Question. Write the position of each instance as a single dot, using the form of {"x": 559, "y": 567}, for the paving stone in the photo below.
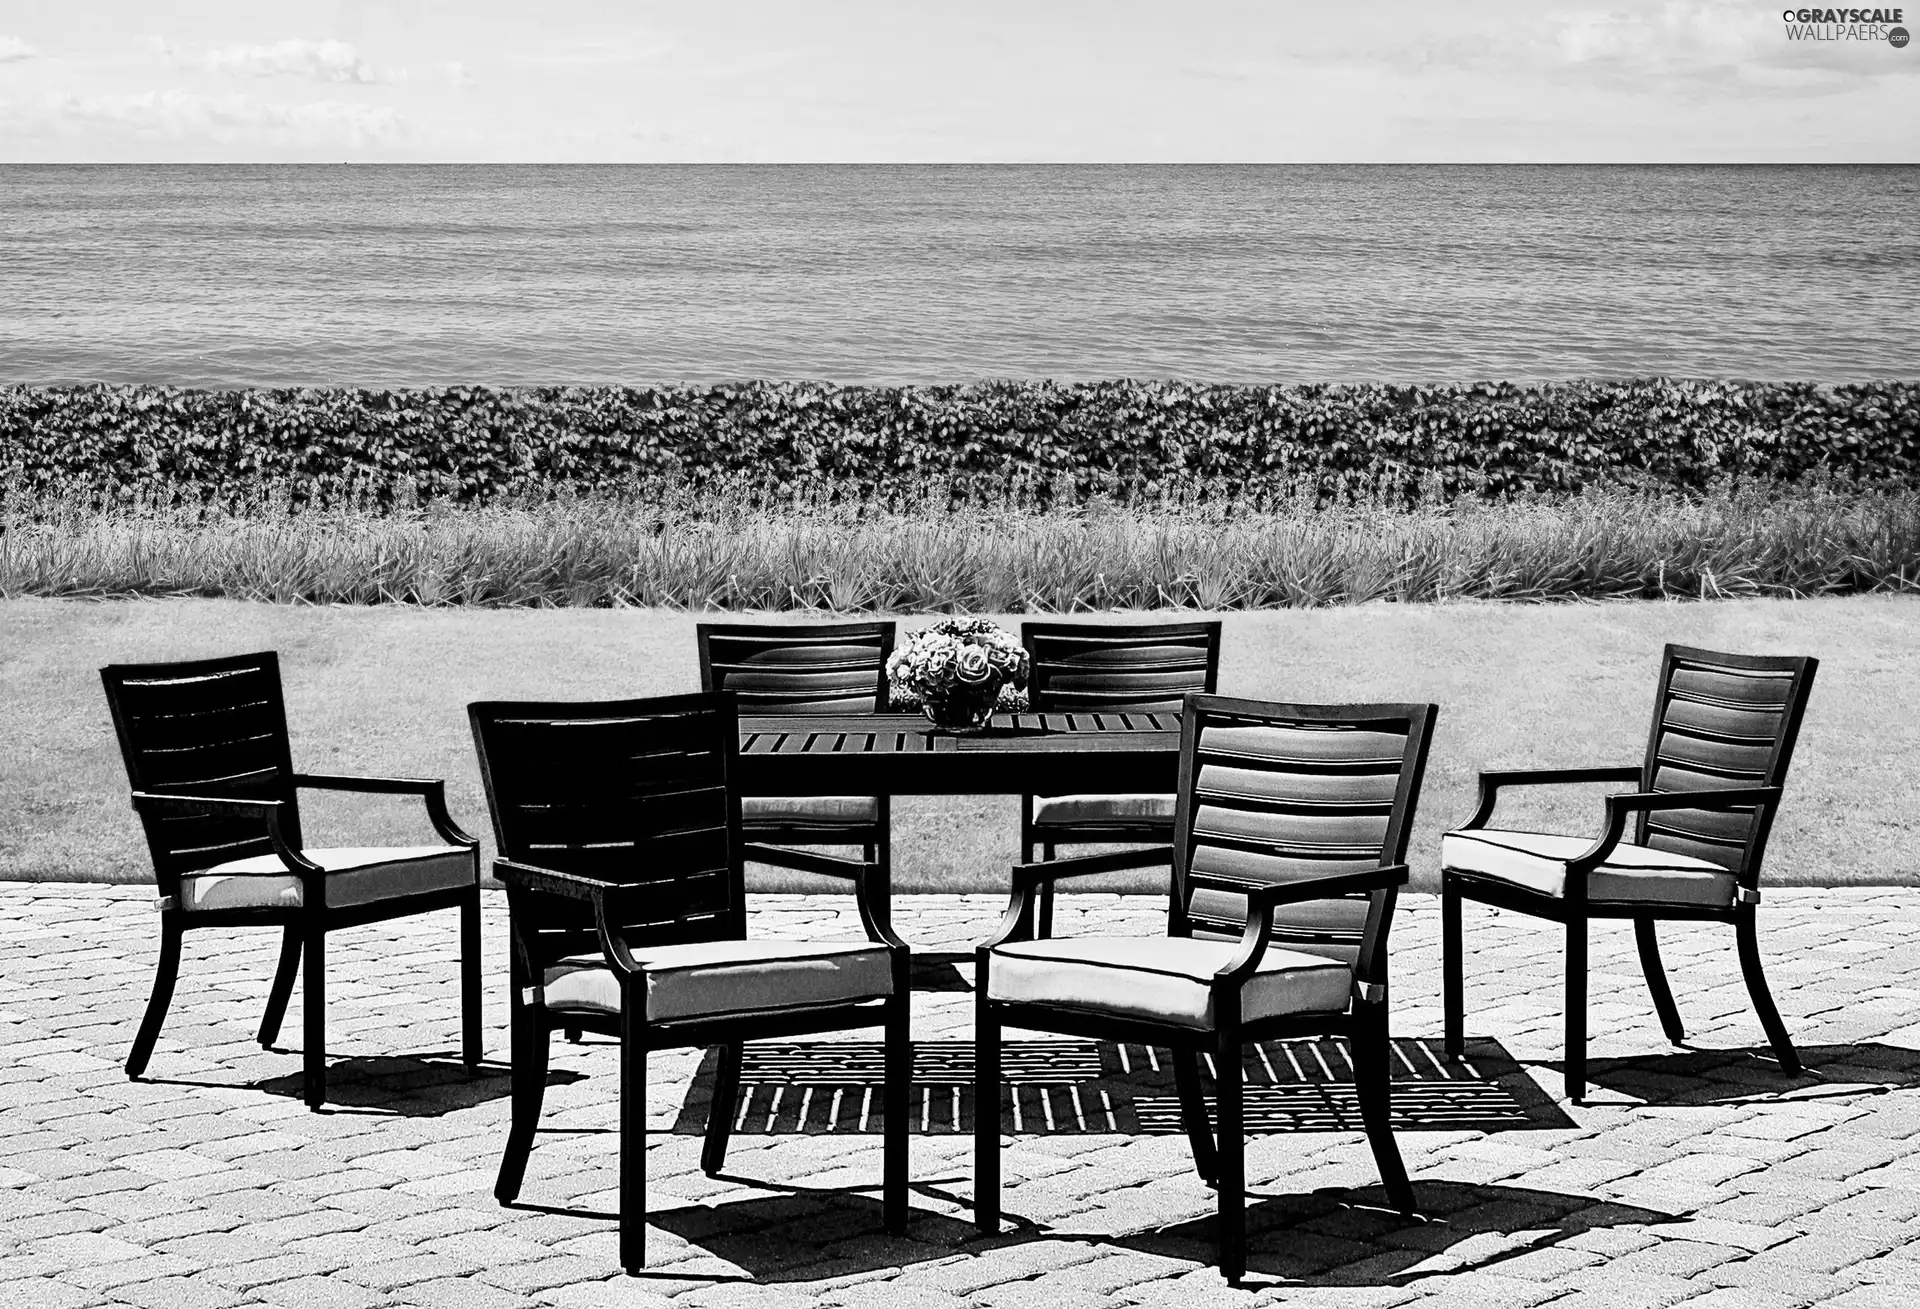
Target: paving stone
{"x": 278, "y": 1268}
{"x": 460, "y": 1293}
{"x": 319, "y": 1293}
{"x": 1746, "y": 1297}
{"x": 181, "y": 1293}
{"x": 47, "y": 1293}
{"x": 1871, "y": 1297}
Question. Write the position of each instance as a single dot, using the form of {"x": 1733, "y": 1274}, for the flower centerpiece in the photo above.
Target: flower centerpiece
{"x": 958, "y": 672}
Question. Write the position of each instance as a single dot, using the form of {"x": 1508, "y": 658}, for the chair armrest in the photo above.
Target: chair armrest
{"x": 876, "y": 918}
{"x": 806, "y": 861}
{"x": 1495, "y": 780}
{"x": 1627, "y": 803}
{"x": 1262, "y": 899}
{"x": 267, "y": 811}
{"x": 433, "y": 790}
{"x": 1273, "y": 894}
{"x": 549, "y": 881}
{"x": 1017, "y": 923}
{"x": 516, "y": 876}
{"x": 1032, "y": 876}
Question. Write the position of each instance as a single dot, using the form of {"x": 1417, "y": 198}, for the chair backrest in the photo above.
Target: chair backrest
{"x": 1119, "y": 666}
{"x": 1721, "y": 721}
{"x": 205, "y": 727}
{"x": 631, "y": 792}
{"x": 820, "y": 668}
{"x": 1273, "y": 793}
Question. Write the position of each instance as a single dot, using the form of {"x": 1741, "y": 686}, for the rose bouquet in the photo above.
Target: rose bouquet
{"x": 958, "y": 672}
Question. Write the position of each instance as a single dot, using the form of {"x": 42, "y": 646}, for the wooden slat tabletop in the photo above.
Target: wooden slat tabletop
{"x": 898, "y": 754}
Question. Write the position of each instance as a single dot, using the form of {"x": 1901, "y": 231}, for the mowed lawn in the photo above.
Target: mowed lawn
{"x": 384, "y": 689}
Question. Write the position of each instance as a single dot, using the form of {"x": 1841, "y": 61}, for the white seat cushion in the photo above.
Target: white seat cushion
{"x": 809, "y": 810}
{"x": 1164, "y": 978}
{"x": 706, "y": 979}
{"x": 1632, "y": 874}
{"x": 355, "y": 875}
{"x": 1091, "y": 810}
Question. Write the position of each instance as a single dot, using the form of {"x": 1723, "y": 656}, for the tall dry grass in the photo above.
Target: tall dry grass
{"x": 714, "y": 550}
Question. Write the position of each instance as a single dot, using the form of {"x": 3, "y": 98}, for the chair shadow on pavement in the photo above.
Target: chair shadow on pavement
{"x": 1688, "y": 1076}
{"x": 1335, "y": 1237}
{"x": 787, "y": 1233}
{"x": 1330, "y": 1237}
{"x": 409, "y": 1086}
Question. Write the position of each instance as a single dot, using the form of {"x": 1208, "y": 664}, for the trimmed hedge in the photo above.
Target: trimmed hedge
{"x": 1127, "y": 439}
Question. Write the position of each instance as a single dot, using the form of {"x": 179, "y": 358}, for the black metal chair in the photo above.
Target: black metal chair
{"x": 1109, "y": 669}
{"x": 621, "y": 851}
{"x": 824, "y": 668}
{"x": 1290, "y": 827}
{"x": 206, "y": 749}
{"x": 1705, "y": 795}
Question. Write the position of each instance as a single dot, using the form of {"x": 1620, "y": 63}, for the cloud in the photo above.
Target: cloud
{"x": 318, "y": 61}
{"x": 457, "y": 74}
{"x": 638, "y": 46}
{"x": 13, "y": 50}
{"x": 1684, "y": 33}
{"x": 183, "y": 115}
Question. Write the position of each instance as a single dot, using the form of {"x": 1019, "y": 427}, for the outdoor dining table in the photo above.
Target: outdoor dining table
{"x": 900, "y": 754}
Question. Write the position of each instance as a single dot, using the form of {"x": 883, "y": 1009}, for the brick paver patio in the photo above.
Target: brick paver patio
{"x": 1698, "y": 1176}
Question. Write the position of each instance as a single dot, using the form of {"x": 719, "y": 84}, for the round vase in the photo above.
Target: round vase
{"x": 966, "y": 716}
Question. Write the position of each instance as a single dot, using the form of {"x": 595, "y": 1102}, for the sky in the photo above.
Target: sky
{"x": 952, "y": 81}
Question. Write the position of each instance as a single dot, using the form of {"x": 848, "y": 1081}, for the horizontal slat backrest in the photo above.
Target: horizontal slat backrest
{"x": 632, "y": 793}
{"x": 208, "y": 727}
{"x": 1278, "y": 793}
{"x": 1721, "y": 721}
{"x": 834, "y": 668}
{"x": 1145, "y": 666}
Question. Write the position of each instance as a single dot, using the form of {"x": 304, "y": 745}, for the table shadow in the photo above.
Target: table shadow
{"x": 1074, "y": 1087}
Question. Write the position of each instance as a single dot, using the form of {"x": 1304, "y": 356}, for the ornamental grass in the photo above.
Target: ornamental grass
{"x": 711, "y": 549}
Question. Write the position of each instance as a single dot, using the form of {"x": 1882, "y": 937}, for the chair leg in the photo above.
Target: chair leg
{"x": 1193, "y": 1115}
{"x": 1043, "y": 917}
{"x": 165, "y": 972}
{"x": 1744, "y": 932}
{"x": 986, "y": 1114}
{"x": 1576, "y": 1055}
{"x": 633, "y": 1144}
{"x": 880, "y": 884}
{"x": 573, "y": 1034}
{"x": 470, "y": 1014}
{"x": 314, "y": 1019}
{"x": 1643, "y": 934}
{"x": 1452, "y": 970}
{"x": 726, "y": 1099}
{"x": 530, "y": 1041}
{"x": 282, "y": 990}
{"x": 1232, "y": 1195}
{"x": 895, "y": 1142}
{"x": 1373, "y": 1087}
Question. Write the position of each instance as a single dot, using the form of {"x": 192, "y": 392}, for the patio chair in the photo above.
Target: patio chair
{"x": 824, "y": 668}
{"x": 1288, "y": 834}
{"x": 206, "y": 749}
{"x": 621, "y": 851}
{"x": 1109, "y": 668}
{"x": 1685, "y": 844}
